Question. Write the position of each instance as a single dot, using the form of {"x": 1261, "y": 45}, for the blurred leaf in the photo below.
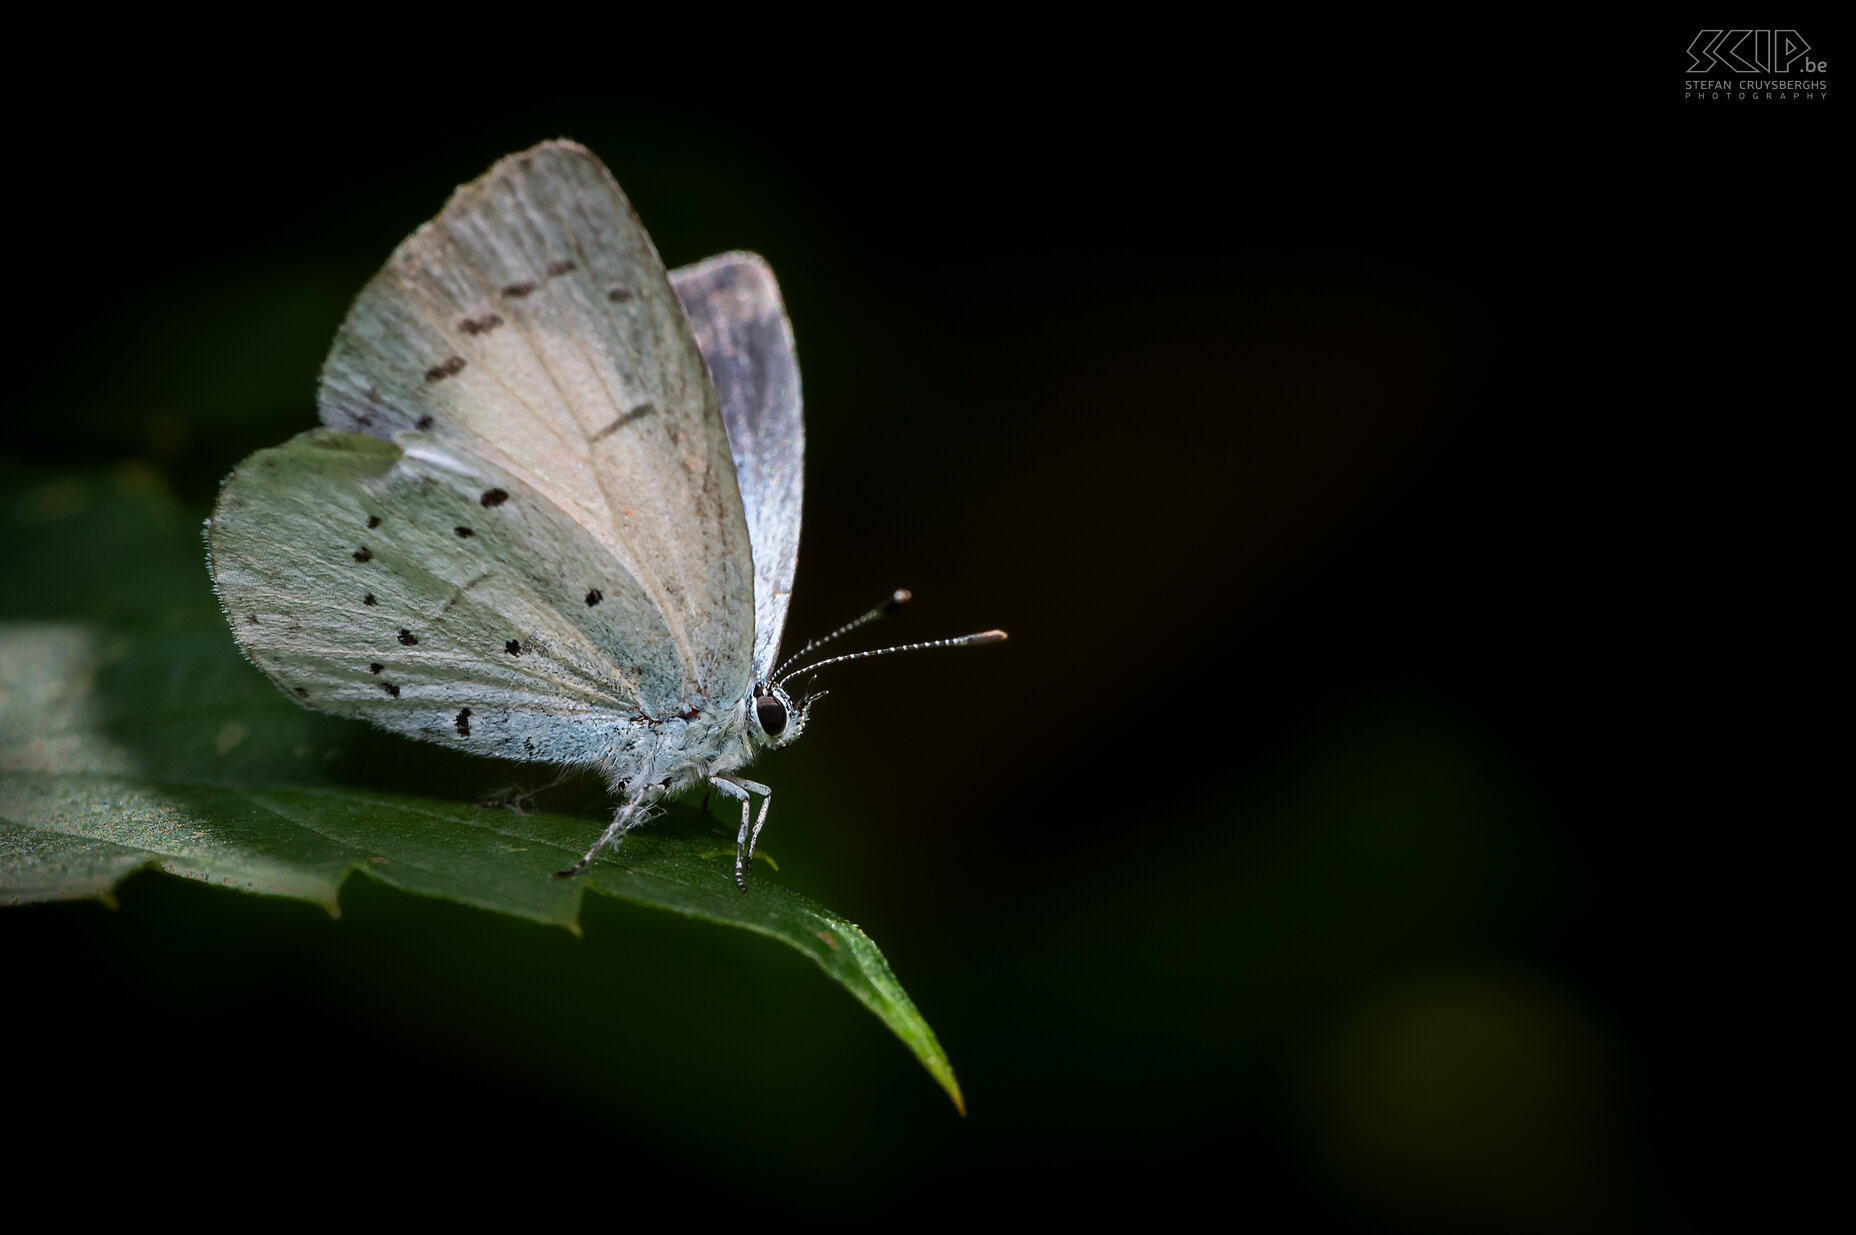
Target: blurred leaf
{"x": 133, "y": 736}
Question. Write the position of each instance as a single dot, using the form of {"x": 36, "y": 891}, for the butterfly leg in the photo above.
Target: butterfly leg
{"x": 615, "y": 831}
{"x": 766, "y": 800}
{"x": 516, "y": 801}
{"x": 742, "y": 849}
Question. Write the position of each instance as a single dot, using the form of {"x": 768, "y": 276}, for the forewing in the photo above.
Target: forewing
{"x": 435, "y": 596}
{"x": 734, "y": 306}
{"x": 531, "y": 326}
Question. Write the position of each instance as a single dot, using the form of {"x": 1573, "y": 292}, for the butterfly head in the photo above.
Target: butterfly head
{"x": 775, "y": 718}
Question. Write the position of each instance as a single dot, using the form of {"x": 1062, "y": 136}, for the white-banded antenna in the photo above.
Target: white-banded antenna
{"x": 897, "y": 599}
{"x": 984, "y": 636}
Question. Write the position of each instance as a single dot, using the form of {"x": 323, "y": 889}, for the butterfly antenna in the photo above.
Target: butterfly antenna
{"x": 964, "y": 641}
{"x": 897, "y": 599}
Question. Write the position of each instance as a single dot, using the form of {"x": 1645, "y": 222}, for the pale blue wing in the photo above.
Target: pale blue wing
{"x": 439, "y": 597}
{"x": 734, "y": 306}
{"x": 531, "y": 328}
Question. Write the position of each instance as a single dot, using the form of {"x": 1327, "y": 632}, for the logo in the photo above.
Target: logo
{"x": 1734, "y": 59}
{"x": 1750, "y": 51}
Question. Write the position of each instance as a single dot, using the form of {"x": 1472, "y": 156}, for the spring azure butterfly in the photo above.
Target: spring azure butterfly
{"x": 553, "y": 514}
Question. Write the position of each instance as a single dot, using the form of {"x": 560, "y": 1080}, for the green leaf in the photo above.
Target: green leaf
{"x": 133, "y": 736}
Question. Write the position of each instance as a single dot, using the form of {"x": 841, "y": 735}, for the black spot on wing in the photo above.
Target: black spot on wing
{"x": 301, "y": 693}
{"x": 557, "y": 269}
{"x": 513, "y": 647}
{"x": 363, "y": 554}
{"x": 450, "y": 366}
{"x": 464, "y": 533}
{"x": 593, "y": 597}
{"x": 619, "y": 295}
{"x": 373, "y": 521}
{"x": 464, "y": 723}
{"x": 376, "y": 667}
{"x": 369, "y": 599}
{"x": 252, "y": 618}
{"x": 493, "y": 497}
{"x": 515, "y": 291}
{"x": 391, "y": 689}
{"x": 480, "y": 325}
{"x": 424, "y": 422}
{"x": 407, "y": 637}
{"x": 620, "y": 421}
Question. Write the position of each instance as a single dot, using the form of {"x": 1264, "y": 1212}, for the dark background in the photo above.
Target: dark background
{"x": 1400, "y": 489}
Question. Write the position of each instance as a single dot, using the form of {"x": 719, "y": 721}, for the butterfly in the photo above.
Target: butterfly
{"x": 553, "y": 513}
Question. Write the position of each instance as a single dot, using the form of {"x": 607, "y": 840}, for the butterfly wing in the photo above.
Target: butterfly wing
{"x": 734, "y": 306}
{"x": 530, "y": 332}
{"x": 437, "y": 597}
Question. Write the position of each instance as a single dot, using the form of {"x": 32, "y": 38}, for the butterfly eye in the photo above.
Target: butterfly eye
{"x": 772, "y": 715}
